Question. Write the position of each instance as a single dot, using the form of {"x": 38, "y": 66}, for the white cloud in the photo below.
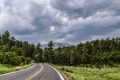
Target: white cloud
{"x": 60, "y": 20}
{"x": 52, "y": 28}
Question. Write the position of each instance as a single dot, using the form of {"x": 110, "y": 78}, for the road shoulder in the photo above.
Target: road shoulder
{"x": 13, "y": 72}
{"x": 58, "y": 72}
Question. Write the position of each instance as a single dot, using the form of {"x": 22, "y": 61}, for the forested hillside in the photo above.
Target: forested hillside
{"x": 97, "y": 52}
{"x": 15, "y": 52}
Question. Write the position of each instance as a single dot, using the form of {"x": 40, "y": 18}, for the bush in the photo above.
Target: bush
{"x": 66, "y": 69}
{"x": 12, "y": 58}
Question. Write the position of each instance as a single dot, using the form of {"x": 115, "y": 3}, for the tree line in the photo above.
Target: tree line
{"x": 16, "y": 52}
{"x": 96, "y": 52}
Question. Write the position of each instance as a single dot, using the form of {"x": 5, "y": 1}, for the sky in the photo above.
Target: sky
{"x": 64, "y": 21}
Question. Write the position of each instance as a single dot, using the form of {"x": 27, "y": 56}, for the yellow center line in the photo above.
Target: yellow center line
{"x": 33, "y": 75}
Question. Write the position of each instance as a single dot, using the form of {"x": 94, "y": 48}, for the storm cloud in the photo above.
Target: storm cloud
{"x": 69, "y": 21}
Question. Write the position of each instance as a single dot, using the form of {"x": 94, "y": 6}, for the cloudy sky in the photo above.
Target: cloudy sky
{"x": 69, "y": 21}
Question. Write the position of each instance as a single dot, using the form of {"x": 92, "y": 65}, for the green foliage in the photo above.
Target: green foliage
{"x": 8, "y": 68}
{"x": 15, "y": 52}
{"x": 49, "y": 55}
{"x": 85, "y": 73}
{"x": 97, "y": 52}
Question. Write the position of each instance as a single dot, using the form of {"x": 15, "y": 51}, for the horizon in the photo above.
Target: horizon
{"x": 68, "y": 44}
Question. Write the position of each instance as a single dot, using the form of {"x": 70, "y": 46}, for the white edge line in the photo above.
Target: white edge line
{"x": 62, "y": 78}
{"x": 16, "y": 71}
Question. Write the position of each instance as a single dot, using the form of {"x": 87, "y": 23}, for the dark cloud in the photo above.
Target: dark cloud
{"x": 60, "y": 20}
{"x": 83, "y": 8}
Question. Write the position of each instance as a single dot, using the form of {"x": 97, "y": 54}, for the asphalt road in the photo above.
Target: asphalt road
{"x": 36, "y": 72}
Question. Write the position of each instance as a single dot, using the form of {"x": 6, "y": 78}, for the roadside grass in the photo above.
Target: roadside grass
{"x": 7, "y": 68}
{"x": 84, "y": 73}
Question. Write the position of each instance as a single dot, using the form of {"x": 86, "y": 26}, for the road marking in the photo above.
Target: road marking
{"x": 17, "y": 71}
{"x": 61, "y": 77}
{"x": 33, "y": 75}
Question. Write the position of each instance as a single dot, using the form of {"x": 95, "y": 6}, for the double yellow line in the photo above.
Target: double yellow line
{"x": 33, "y": 75}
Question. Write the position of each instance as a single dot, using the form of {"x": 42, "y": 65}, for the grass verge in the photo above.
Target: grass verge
{"x": 7, "y": 68}
{"x": 84, "y": 73}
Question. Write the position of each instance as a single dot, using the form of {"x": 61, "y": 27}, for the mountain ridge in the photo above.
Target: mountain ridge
{"x": 56, "y": 45}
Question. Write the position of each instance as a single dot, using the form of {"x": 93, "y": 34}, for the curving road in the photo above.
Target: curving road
{"x": 36, "y": 72}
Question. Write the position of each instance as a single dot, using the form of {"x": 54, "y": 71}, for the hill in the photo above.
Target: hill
{"x": 56, "y": 45}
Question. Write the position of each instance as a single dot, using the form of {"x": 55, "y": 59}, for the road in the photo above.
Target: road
{"x": 36, "y": 72}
